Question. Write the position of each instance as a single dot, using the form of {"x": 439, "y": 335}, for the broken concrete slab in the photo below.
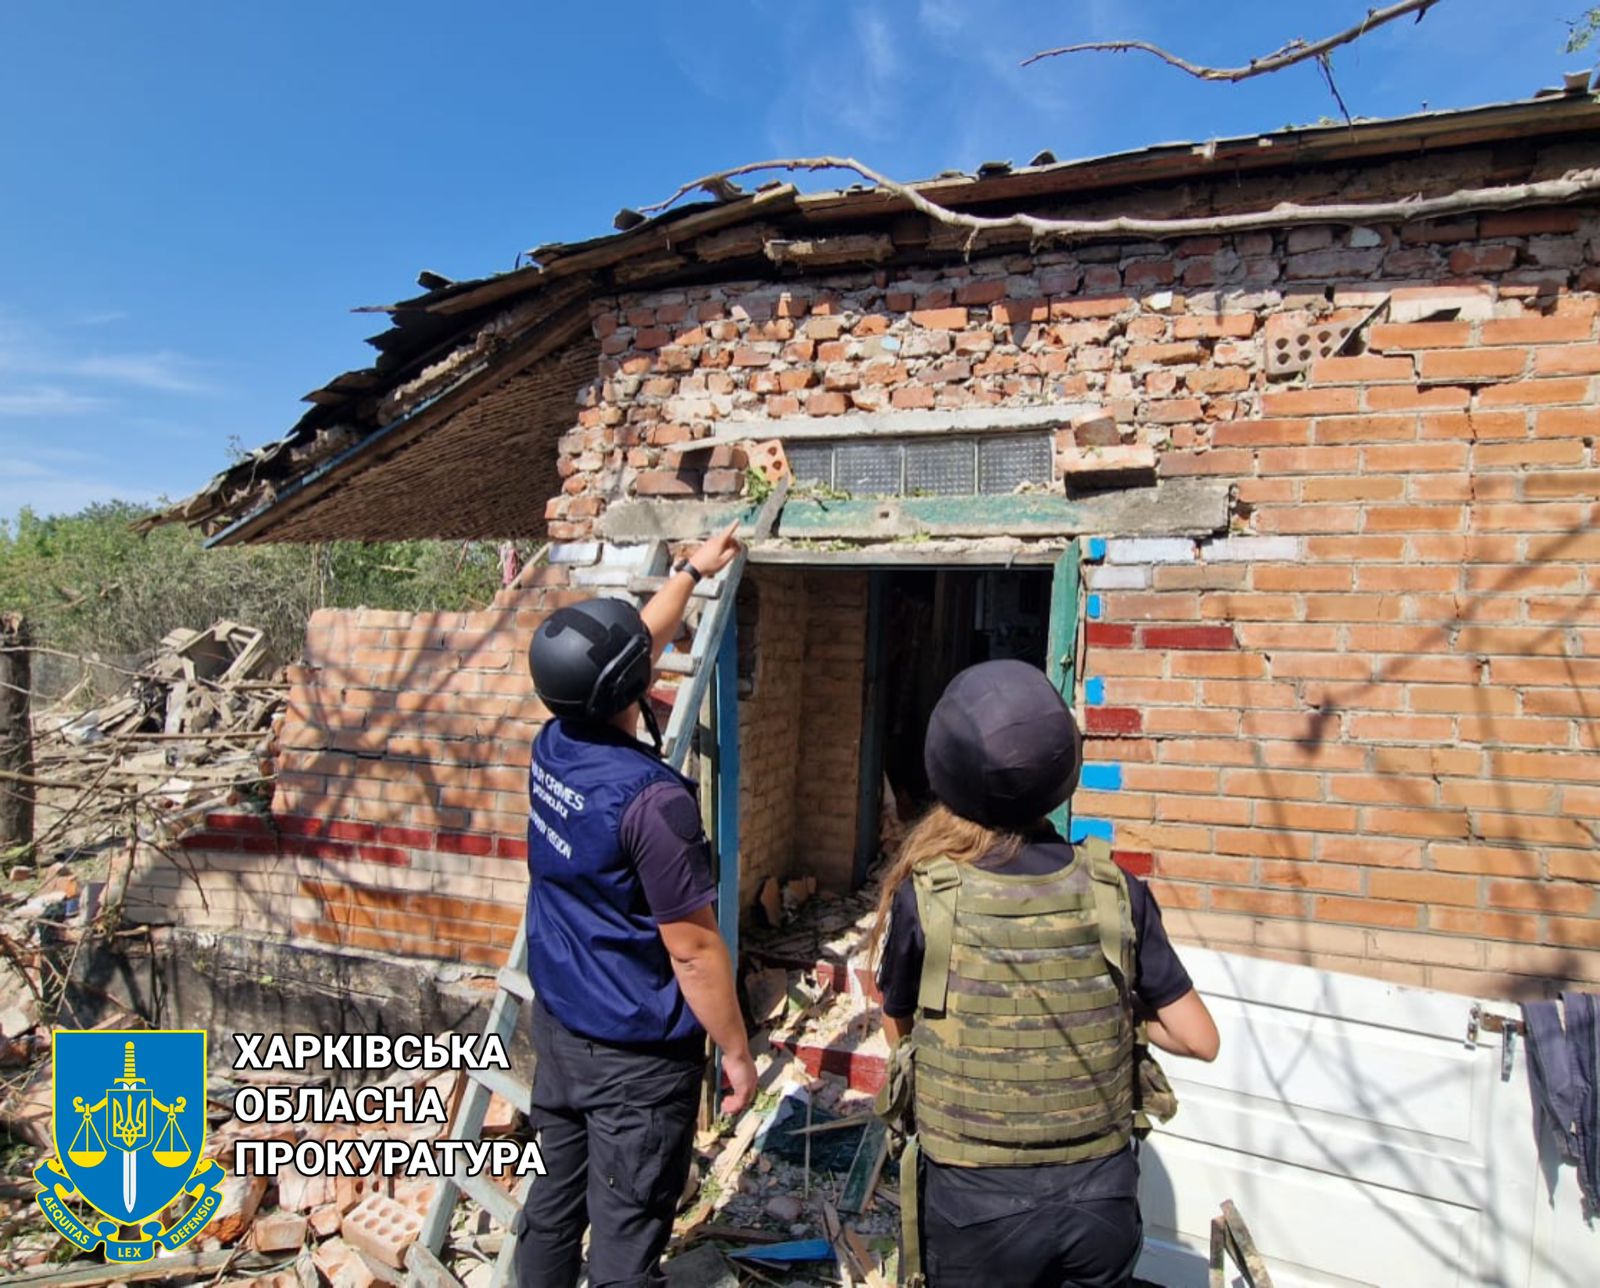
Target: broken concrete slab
{"x": 1174, "y": 507}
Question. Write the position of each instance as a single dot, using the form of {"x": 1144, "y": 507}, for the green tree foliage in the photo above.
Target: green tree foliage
{"x": 1583, "y": 31}
{"x": 91, "y": 585}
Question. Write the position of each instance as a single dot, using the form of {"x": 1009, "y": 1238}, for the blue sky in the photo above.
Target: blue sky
{"x": 194, "y": 195}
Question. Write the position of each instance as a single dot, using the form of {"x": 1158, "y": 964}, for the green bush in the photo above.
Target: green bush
{"x": 90, "y": 585}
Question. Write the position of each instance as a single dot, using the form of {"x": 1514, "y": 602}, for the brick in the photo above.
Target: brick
{"x": 1567, "y": 422}
{"x": 1361, "y": 370}
{"x": 1569, "y": 360}
{"x": 1013, "y": 312}
{"x": 1108, "y": 635}
{"x": 1555, "y": 329}
{"x": 1366, "y": 429}
{"x": 1369, "y": 852}
{"x": 1386, "y": 337}
{"x": 1564, "y": 930}
{"x": 1485, "y": 925}
{"x": 1367, "y": 912}
{"x": 951, "y": 319}
{"x": 382, "y": 1228}
{"x": 1263, "y": 433}
{"x": 1309, "y": 876}
{"x": 1534, "y": 393}
{"x": 1424, "y": 887}
{"x": 1441, "y": 823}
{"x": 240, "y": 1196}
{"x": 1310, "y": 402}
{"x": 1239, "y": 326}
{"x": 1188, "y": 637}
{"x": 1259, "y": 903}
{"x": 1112, "y": 722}
{"x": 1540, "y": 896}
{"x": 278, "y": 1232}
{"x": 1253, "y": 550}
{"x": 1409, "y": 398}
{"x": 1474, "y": 364}
{"x": 1486, "y": 860}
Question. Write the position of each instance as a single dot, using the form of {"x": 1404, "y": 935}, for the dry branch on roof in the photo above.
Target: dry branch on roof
{"x": 1574, "y": 184}
{"x": 1294, "y": 51}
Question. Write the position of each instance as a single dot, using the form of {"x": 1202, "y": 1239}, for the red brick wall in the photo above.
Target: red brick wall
{"x": 1361, "y": 732}
{"x": 399, "y": 817}
{"x": 1368, "y": 743}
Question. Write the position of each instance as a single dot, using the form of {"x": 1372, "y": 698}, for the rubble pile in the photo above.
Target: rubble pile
{"x": 190, "y": 733}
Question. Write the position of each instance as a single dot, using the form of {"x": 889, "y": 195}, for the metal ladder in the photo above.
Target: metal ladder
{"x": 706, "y": 655}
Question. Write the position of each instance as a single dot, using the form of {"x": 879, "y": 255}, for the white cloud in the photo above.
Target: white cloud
{"x": 164, "y": 370}
{"x": 47, "y": 374}
{"x": 45, "y": 401}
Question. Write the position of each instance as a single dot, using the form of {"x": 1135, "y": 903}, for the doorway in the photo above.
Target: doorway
{"x": 927, "y": 625}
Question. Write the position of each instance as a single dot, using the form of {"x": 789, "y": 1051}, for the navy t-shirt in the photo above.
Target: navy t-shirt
{"x": 1159, "y": 980}
{"x": 660, "y": 831}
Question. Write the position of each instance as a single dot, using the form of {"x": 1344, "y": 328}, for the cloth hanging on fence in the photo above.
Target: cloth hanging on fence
{"x": 1564, "y": 1069}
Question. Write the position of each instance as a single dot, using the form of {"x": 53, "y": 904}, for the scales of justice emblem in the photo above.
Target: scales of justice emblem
{"x": 129, "y": 1144}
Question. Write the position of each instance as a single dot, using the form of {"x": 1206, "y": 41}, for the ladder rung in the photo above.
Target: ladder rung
{"x": 516, "y": 983}
{"x": 489, "y": 1196}
{"x": 427, "y": 1270}
{"x": 505, "y": 1085}
{"x": 710, "y": 588}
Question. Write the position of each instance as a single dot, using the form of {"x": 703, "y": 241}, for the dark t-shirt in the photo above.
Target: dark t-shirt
{"x": 1159, "y": 980}
{"x": 660, "y": 831}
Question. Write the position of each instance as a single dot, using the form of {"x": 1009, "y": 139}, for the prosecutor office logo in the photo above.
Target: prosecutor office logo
{"x": 130, "y": 1123}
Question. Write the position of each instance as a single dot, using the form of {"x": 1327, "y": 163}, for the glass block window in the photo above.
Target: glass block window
{"x": 935, "y": 467}
{"x": 1003, "y": 463}
{"x": 922, "y": 466}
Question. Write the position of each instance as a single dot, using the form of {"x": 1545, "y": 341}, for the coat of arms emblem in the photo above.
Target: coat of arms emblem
{"x": 130, "y": 1123}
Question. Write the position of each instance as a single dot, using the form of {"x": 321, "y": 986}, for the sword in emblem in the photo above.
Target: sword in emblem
{"x": 130, "y": 1130}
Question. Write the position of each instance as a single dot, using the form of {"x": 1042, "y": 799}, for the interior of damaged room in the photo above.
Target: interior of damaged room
{"x": 933, "y": 643}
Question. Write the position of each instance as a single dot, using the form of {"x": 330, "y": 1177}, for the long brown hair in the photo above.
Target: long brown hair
{"x": 939, "y": 834}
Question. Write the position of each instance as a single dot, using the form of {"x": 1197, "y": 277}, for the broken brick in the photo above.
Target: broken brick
{"x": 382, "y": 1228}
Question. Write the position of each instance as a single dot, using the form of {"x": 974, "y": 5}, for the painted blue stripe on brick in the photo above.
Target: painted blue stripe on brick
{"x": 1084, "y": 828}
{"x": 1102, "y": 778}
{"x": 1096, "y": 606}
{"x": 1097, "y": 549}
{"x": 1094, "y": 690}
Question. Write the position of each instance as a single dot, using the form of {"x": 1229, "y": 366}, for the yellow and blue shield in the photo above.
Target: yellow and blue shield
{"x": 130, "y": 1127}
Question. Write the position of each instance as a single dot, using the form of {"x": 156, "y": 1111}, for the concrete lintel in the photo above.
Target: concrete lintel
{"x": 993, "y": 552}
{"x": 1176, "y": 507}
{"x": 891, "y": 424}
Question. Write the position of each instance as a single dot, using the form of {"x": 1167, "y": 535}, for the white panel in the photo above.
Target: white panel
{"x": 1362, "y": 1139}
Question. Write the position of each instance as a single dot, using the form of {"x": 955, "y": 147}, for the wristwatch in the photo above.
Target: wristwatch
{"x": 695, "y": 574}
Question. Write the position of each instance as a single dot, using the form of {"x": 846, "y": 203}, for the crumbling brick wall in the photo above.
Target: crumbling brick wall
{"x": 399, "y": 814}
{"x": 1359, "y": 732}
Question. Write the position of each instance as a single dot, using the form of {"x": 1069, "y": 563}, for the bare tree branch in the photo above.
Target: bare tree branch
{"x": 1574, "y": 184}
{"x": 1296, "y": 51}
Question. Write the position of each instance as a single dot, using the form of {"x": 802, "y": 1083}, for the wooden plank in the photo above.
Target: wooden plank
{"x": 866, "y": 1167}
{"x": 1061, "y": 647}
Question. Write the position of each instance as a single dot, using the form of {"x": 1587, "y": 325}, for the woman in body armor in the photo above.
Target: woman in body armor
{"x": 1021, "y": 978}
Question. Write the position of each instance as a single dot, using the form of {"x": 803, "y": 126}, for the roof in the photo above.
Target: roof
{"x": 454, "y": 343}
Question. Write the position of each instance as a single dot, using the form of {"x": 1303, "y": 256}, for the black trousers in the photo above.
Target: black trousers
{"x": 616, "y": 1130}
{"x": 1003, "y": 1229}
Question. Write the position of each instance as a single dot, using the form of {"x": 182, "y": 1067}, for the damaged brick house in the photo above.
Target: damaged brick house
{"x": 1299, "y": 511}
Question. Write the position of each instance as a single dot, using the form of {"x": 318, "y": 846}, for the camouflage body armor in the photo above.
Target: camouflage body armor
{"x": 1025, "y": 1049}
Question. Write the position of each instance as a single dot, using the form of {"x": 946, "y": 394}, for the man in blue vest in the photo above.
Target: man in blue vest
{"x": 628, "y": 968}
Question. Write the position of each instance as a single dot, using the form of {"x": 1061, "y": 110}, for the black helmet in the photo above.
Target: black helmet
{"x": 1002, "y": 748}
{"x": 591, "y": 661}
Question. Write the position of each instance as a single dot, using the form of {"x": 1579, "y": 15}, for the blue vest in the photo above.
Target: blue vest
{"x": 594, "y": 953}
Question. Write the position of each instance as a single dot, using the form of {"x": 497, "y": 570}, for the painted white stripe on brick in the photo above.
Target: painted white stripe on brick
{"x": 1125, "y": 577}
{"x": 1253, "y": 550}
{"x": 1149, "y": 550}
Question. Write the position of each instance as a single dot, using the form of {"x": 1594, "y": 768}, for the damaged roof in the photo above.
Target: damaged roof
{"x": 450, "y": 345}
